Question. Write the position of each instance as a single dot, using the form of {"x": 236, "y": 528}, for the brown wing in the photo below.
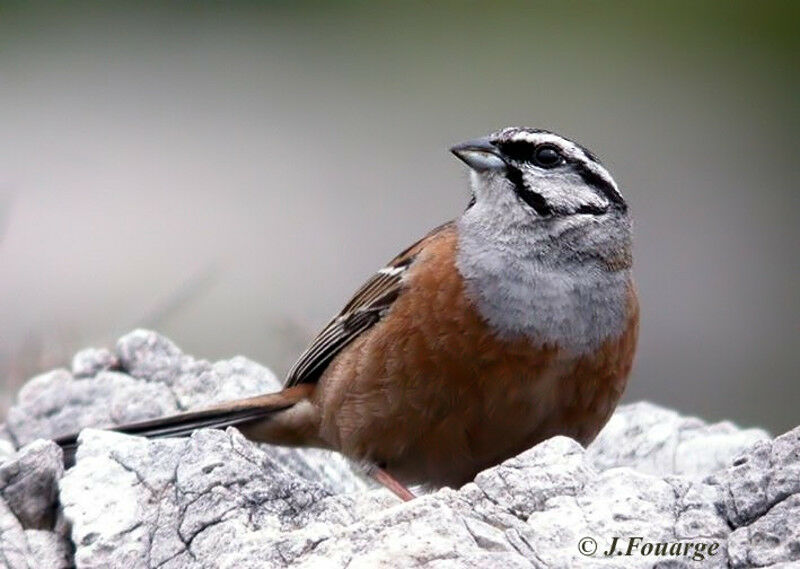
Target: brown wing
{"x": 365, "y": 308}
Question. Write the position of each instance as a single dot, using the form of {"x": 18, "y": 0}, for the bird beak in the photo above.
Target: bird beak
{"x": 480, "y": 155}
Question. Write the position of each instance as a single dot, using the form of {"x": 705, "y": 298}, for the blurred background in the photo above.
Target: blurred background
{"x": 228, "y": 173}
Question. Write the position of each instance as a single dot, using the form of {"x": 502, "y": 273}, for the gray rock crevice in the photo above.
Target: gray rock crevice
{"x": 216, "y": 500}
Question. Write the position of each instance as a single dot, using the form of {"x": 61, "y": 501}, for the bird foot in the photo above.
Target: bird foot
{"x": 389, "y": 482}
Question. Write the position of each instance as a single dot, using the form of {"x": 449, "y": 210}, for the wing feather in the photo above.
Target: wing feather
{"x": 366, "y": 307}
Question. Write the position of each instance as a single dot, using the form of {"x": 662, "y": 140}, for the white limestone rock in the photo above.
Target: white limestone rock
{"x": 32, "y": 531}
{"x": 91, "y": 361}
{"x": 216, "y": 500}
{"x": 655, "y": 440}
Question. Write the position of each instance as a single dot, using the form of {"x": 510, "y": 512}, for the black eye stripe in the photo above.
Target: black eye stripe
{"x": 519, "y": 150}
{"x": 524, "y": 151}
{"x": 545, "y": 155}
{"x": 534, "y": 200}
{"x": 595, "y": 180}
{"x": 584, "y": 163}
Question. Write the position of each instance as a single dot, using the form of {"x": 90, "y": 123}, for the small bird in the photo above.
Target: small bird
{"x": 513, "y": 323}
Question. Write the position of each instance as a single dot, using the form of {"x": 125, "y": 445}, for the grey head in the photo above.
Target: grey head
{"x": 545, "y": 244}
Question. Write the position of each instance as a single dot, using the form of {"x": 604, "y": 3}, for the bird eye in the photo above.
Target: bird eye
{"x": 543, "y": 156}
{"x": 547, "y": 156}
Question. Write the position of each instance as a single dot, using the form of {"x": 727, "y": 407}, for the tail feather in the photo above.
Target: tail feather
{"x": 217, "y": 417}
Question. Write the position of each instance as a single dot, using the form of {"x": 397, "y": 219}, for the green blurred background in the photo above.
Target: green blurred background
{"x": 229, "y": 173}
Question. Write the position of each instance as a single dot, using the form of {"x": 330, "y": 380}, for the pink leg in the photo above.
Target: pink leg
{"x": 391, "y": 483}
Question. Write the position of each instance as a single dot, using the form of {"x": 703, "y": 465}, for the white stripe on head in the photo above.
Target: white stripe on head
{"x": 571, "y": 150}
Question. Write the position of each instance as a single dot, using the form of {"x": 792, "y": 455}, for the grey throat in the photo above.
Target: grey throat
{"x": 559, "y": 281}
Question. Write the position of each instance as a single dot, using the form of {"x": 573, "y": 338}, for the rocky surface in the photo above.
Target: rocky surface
{"x": 217, "y": 500}
{"x": 33, "y": 533}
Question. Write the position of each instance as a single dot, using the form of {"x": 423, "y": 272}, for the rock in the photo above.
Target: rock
{"x": 659, "y": 441}
{"x": 48, "y": 549}
{"x": 7, "y": 450}
{"x": 32, "y": 531}
{"x": 148, "y": 376}
{"x": 772, "y": 538}
{"x": 29, "y": 484}
{"x": 91, "y": 361}
{"x": 215, "y": 508}
{"x": 147, "y": 355}
{"x": 764, "y": 475}
{"x": 690, "y": 494}
{"x": 14, "y": 550}
{"x": 174, "y": 500}
{"x": 523, "y": 484}
{"x": 55, "y": 404}
{"x": 506, "y": 518}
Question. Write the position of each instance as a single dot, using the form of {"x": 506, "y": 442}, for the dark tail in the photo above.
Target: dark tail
{"x": 217, "y": 417}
